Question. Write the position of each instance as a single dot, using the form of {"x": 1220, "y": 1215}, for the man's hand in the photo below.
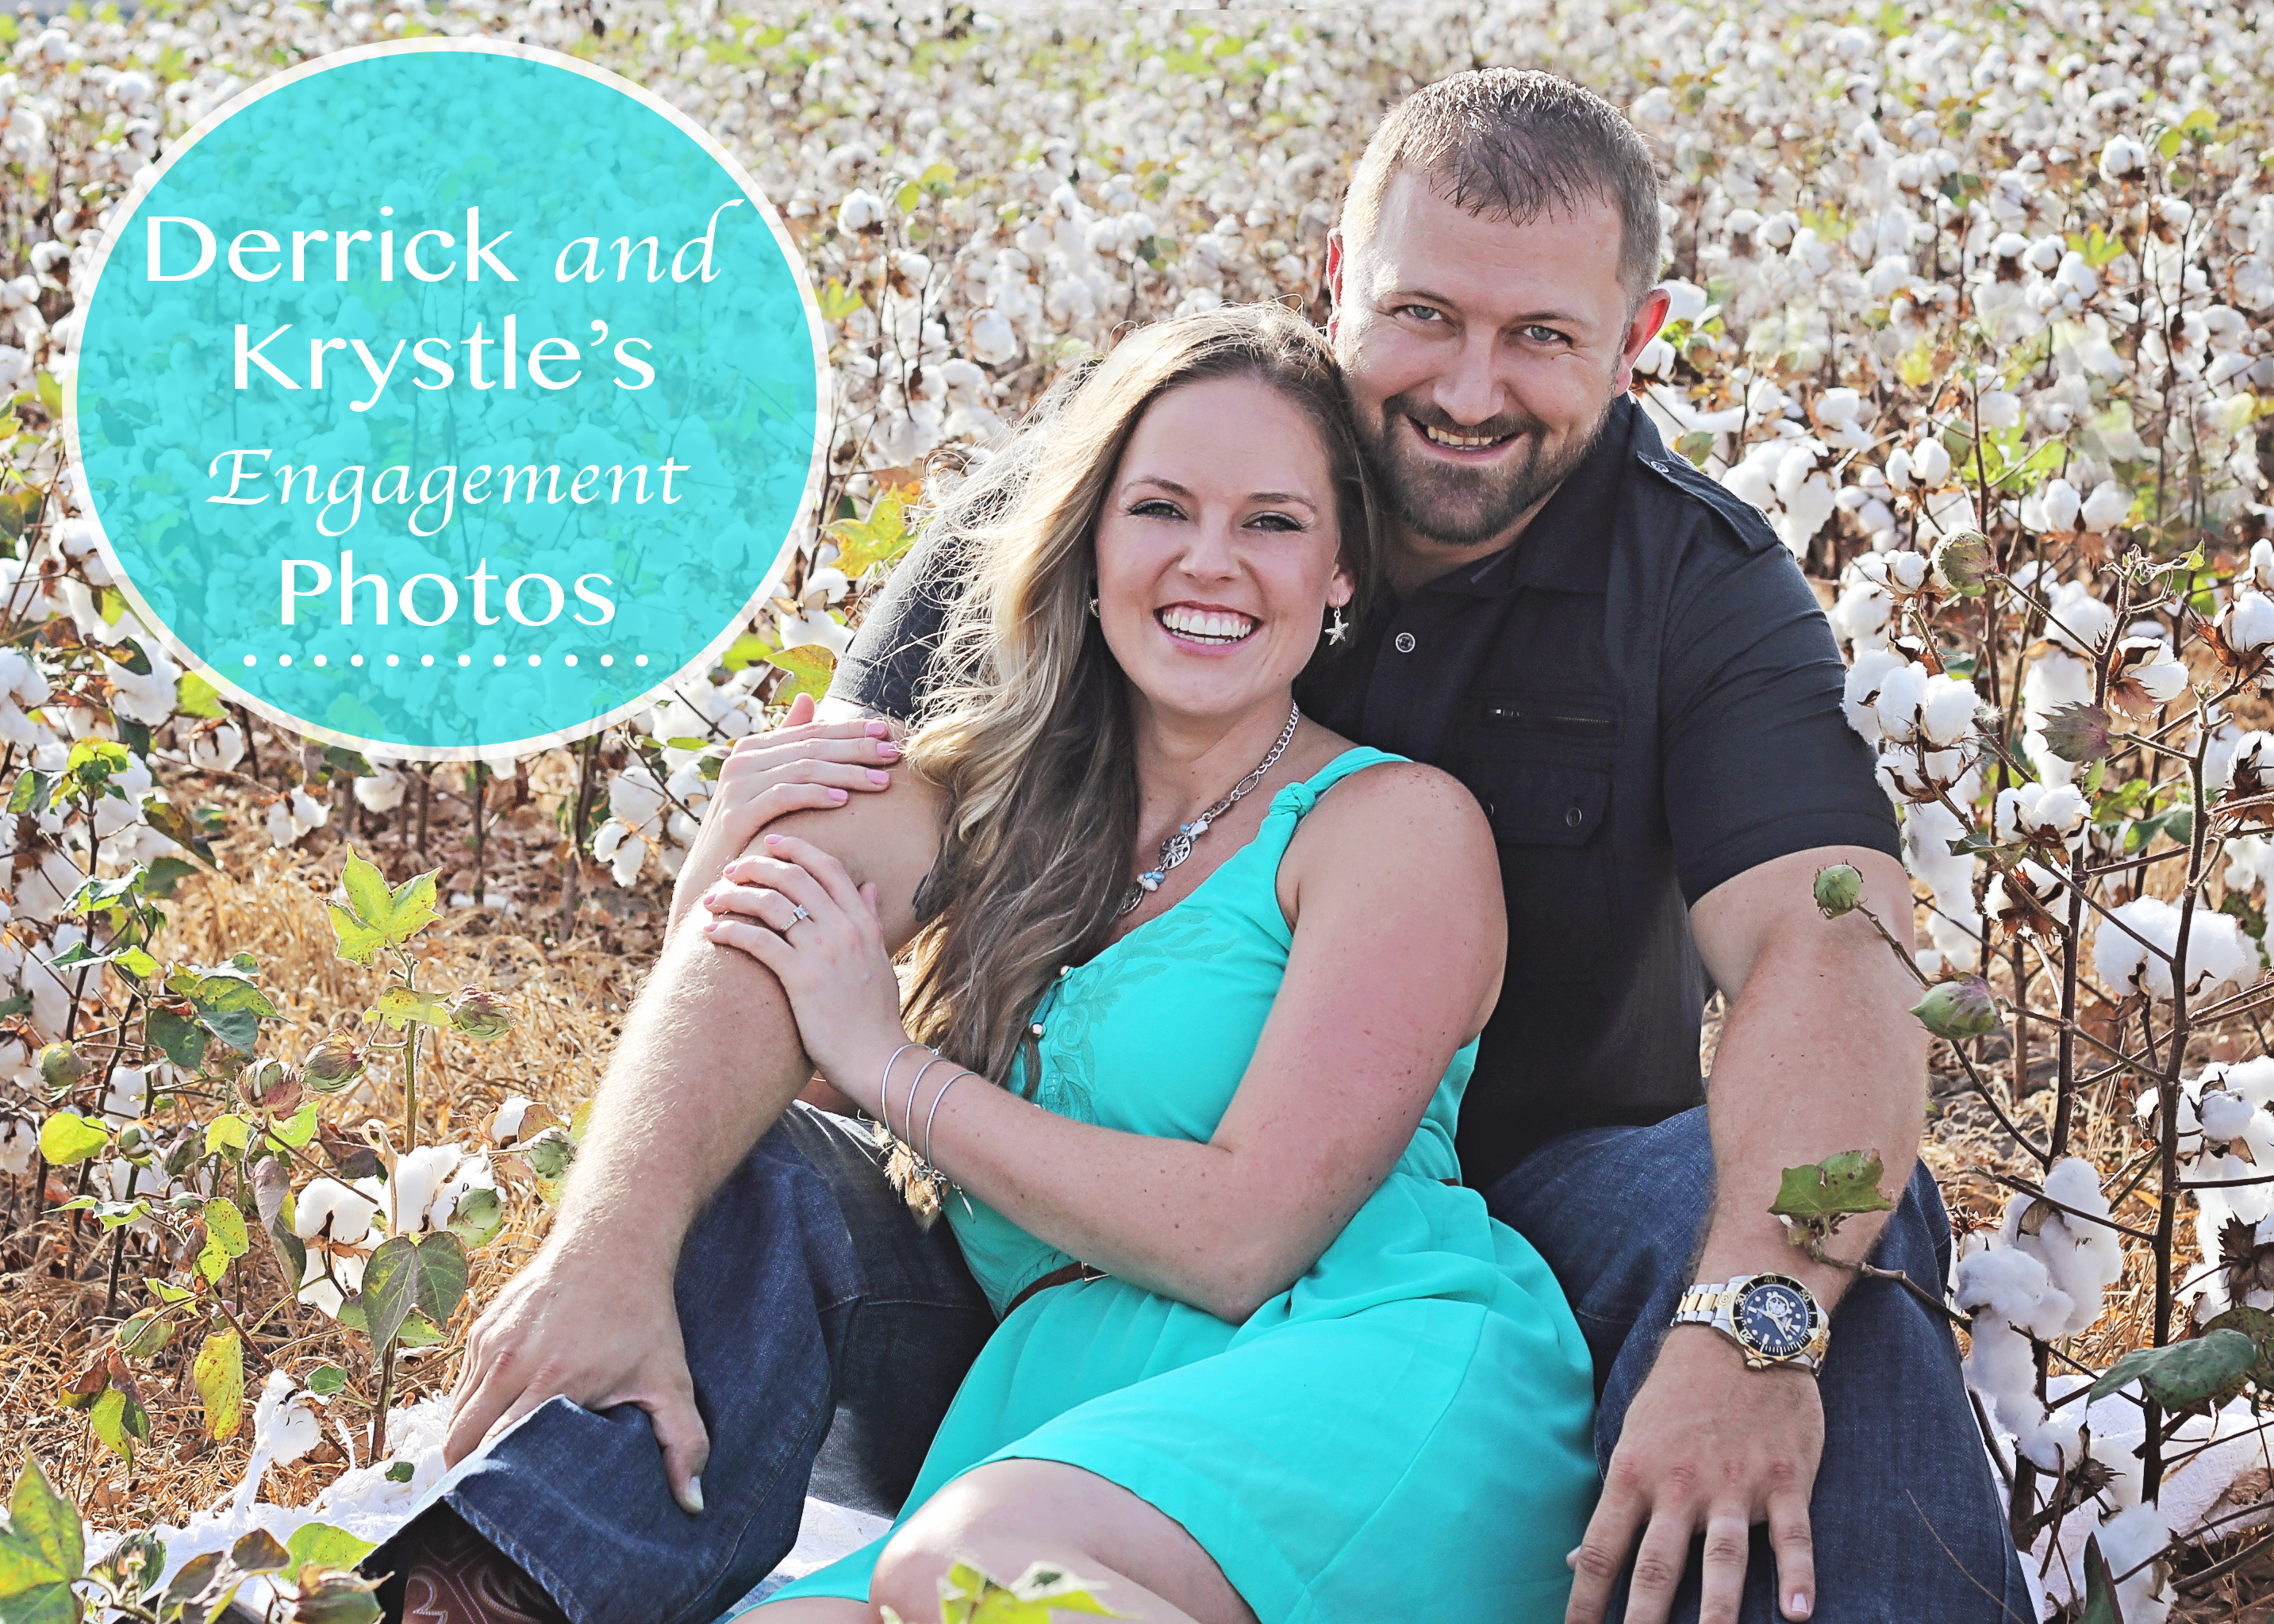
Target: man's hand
{"x": 1709, "y": 1447}
{"x": 556, "y": 1328}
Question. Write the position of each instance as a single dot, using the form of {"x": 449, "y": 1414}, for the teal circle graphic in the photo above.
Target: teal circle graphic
{"x": 447, "y": 396}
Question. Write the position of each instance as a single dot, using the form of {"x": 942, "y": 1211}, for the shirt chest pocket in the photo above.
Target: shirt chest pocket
{"x": 1549, "y": 814}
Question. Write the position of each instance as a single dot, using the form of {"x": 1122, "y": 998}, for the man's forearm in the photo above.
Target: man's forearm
{"x": 708, "y": 1060}
{"x": 1820, "y": 1055}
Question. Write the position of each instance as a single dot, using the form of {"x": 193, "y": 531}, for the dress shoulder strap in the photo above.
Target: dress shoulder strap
{"x": 1303, "y": 796}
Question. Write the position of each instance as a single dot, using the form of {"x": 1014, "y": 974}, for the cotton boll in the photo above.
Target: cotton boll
{"x": 1858, "y": 698}
{"x": 2218, "y": 951}
{"x": 1837, "y": 408}
{"x": 284, "y": 1425}
{"x": 2224, "y": 1115}
{"x": 383, "y": 791}
{"x": 2130, "y": 1539}
{"x": 348, "y": 1211}
{"x": 2108, "y": 505}
{"x": 994, "y": 341}
{"x": 1901, "y": 692}
{"x": 216, "y": 747}
{"x": 2082, "y": 1258}
{"x": 2246, "y": 862}
{"x": 419, "y": 1179}
{"x": 1947, "y": 711}
{"x": 1930, "y": 463}
{"x": 2059, "y": 503}
{"x": 19, "y": 1143}
{"x": 1999, "y": 409}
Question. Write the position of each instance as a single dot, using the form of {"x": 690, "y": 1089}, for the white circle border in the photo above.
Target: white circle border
{"x": 823, "y": 412}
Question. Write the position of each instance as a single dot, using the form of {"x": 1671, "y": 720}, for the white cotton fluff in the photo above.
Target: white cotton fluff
{"x": 2082, "y": 1258}
{"x": 1916, "y": 708}
{"x": 2218, "y": 951}
{"x": 1871, "y": 669}
{"x": 284, "y": 1425}
{"x": 19, "y": 1143}
{"x": 2052, "y": 680}
{"x": 383, "y": 791}
{"x": 505, "y": 1124}
{"x": 2160, "y": 677}
{"x": 2107, "y": 506}
{"x": 216, "y": 748}
{"x": 418, "y": 1187}
{"x": 2129, "y": 1539}
{"x": 2078, "y": 622}
{"x": 348, "y": 1210}
{"x": 2248, "y": 623}
{"x": 993, "y": 338}
{"x": 2246, "y": 862}
{"x": 2039, "y": 810}
{"x": 2001, "y": 1365}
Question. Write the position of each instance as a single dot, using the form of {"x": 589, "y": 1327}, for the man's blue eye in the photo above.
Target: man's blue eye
{"x": 1543, "y": 335}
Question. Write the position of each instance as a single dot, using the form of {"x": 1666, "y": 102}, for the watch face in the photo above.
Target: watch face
{"x": 1775, "y": 1317}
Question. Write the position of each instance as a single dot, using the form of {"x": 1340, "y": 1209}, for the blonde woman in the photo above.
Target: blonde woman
{"x": 1194, "y": 1000}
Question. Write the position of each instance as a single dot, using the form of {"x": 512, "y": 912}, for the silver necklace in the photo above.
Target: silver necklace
{"x": 1178, "y": 845}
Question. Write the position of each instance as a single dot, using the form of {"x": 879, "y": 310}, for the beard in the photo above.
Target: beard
{"x": 1462, "y": 507}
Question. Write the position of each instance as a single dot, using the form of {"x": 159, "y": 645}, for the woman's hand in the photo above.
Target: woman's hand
{"x": 802, "y": 765}
{"x": 797, "y": 912}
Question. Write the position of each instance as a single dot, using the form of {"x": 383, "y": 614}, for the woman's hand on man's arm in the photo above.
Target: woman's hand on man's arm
{"x": 801, "y": 766}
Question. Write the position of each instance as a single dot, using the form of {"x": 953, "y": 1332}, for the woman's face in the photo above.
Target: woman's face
{"x": 1217, "y": 548}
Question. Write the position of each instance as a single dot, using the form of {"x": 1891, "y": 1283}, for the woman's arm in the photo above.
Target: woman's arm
{"x": 1398, "y": 940}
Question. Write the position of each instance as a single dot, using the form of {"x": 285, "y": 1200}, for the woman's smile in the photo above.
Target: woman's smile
{"x": 1206, "y": 626}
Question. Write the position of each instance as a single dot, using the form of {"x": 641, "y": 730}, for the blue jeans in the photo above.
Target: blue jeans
{"x": 826, "y": 1334}
{"x": 1907, "y": 1521}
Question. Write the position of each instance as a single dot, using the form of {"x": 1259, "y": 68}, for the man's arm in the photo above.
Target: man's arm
{"x": 709, "y": 1059}
{"x": 1819, "y": 1055}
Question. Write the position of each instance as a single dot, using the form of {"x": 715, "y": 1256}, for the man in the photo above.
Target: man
{"x": 1628, "y": 672}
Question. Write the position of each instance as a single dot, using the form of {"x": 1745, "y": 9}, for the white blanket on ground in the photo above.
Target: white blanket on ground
{"x": 364, "y": 1502}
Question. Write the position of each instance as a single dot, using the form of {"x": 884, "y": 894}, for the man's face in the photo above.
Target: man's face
{"x": 1481, "y": 356}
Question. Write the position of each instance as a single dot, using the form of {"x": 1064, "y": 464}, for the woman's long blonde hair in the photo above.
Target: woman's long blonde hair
{"x": 1027, "y": 724}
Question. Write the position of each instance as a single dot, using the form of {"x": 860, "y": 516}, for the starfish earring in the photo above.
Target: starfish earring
{"x": 1337, "y": 629}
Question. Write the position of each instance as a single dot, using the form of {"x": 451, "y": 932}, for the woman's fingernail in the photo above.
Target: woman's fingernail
{"x": 772, "y": 840}
{"x": 709, "y": 925}
{"x": 879, "y": 730}
{"x": 888, "y": 750}
{"x": 879, "y": 777}
{"x": 835, "y": 795}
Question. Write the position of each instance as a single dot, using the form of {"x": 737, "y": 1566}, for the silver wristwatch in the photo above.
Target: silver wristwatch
{"x": 1773, "y": 1318}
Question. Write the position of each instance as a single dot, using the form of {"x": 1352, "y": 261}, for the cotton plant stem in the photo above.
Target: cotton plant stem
{"x": 379, "y": 1408}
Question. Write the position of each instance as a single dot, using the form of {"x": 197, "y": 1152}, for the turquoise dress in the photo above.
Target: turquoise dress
{"x": 1405, "y": 1431}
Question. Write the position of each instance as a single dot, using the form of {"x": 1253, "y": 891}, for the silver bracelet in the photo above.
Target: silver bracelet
{"x": 929, "y": 1114}
{"x": 885, "y": 1087}
{"x": 908, "y": 1112}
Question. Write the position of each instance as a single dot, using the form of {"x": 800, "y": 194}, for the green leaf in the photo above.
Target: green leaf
{"x": 326, "y": 1380}
{"x": 183, "y": 1040}
{"x": 299, "y": 1129}
{"x": 2188, "y": 1375}
{"x": 400, "y": 1006}
{"x": 418, "y": 1331}
{"x": 1697, "y": 446}
{"x": 970, "y": 1595}
{"x": 2100, "y": 1603}
{"x": 177, "y": 826}
{"x": 809, "y": 664}
{"x": 219, "y": 1373}
{"x": 442, "y": 1270}
{"x": 117, "y": 1421}
{"x": 367, "y": 890}
{"x": 142, "y": 1336}
{"x": 322, "y": 1546}
{"x": 359, "y": 942}
{"x": 339, "y": 1597}
{"x": 42, "y": 1552}
{"x": 31, "y": 791}
{"x": 401, "y": 1471}
{"x": 196, "y": 695}
{"x": 1838, "y": 1186}
{"x": 166, "y": 874}
{"x": 232, "y": 1133}
{"x": 67, "y": 1137}
{"x": 390, "y": 1288}
{"x": 259, "y": 1551}
{"x": 133, "y": 1565}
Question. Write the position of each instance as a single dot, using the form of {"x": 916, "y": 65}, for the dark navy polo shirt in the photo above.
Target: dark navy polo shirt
{"x": 1644, "y": 695}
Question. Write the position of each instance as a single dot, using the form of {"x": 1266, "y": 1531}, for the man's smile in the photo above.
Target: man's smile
{"x": 1452, "y": 439}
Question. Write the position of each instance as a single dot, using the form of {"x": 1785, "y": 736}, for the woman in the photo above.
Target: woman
{"x": 1217, "y": 975}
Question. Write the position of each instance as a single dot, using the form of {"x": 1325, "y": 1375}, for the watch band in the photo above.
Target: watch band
{"x": 1711, "y": 1303}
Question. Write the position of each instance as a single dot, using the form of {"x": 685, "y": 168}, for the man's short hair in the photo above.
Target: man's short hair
{"x": 1516, "y": 143}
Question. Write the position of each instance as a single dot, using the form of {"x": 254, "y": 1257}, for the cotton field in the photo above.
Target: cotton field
{"x": 1972, "y": 302}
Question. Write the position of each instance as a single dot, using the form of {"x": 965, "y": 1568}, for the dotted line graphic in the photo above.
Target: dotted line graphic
{"x": 428, "y": 660}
